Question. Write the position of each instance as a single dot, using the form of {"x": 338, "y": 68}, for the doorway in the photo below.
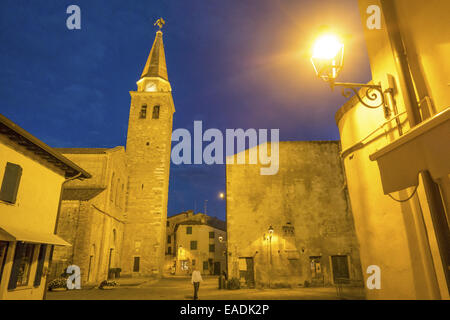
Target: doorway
{"x": 340, "y": 269}
{"x": 217, "y": 268}
{"x": 247, "y": 271}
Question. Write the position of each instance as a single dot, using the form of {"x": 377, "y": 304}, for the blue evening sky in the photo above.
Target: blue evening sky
{"x": 232, "y": 64}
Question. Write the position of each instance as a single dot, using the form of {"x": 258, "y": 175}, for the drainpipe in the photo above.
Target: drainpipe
{"x": 401, "y": 62}
{"x": 58, "y": 214}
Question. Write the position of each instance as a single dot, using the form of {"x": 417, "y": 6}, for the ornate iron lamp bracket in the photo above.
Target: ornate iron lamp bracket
{"x": 372, "y": 93}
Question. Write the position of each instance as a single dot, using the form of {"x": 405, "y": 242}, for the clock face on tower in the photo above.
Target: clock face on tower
{"x": 150, "y": 87}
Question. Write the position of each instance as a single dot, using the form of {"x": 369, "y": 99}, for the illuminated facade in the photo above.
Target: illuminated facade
{"x": 294, "y": 228}
{"x": 404, "y": 153}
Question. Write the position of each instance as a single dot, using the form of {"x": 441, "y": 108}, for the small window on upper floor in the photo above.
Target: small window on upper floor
{"x": 10, "y": 183}
{"x": 155, "y": 112}
{"x": 143, "y": 113}
{"x": 188, "y": 230}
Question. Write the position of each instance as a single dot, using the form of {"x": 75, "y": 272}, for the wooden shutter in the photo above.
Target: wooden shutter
{"x": 10, "y": 184}
{"x": 20, "y": 249}
{"x": 40, "y": 265}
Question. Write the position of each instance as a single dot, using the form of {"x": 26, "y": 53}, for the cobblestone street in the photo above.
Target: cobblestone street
{"x": 180, "y": 288}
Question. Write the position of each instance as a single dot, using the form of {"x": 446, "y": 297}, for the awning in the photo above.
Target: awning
{"x": 14, "y": 234}
{"x": 425, "y": 147}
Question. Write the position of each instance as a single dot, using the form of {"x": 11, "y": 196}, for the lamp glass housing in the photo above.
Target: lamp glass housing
{"x": 328, "y": 57}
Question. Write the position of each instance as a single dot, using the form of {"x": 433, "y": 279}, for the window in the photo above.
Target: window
{"x": 169, "y": 239}
{"x": 212, "y": 248}
{"x": 136, "y": 264}
{"x": 211, "y": 235}
{"x": 168, "y": 224}
{"x": 40, "y": 265}
{"x": 193, "y": 245}
{"x": 205, "y": 265}
{"x": 155, "y": 112}
{"x": 188, "y": 230}
{"x": 20, "y": 271}
{"x": 143, "y": 113}
{"x": 169, "y": 250}
{"x": 111, "y": 192}
{"x": 11, "y": 181}
{"x": 193, "y": 262}
{"x": 117, "y": 196}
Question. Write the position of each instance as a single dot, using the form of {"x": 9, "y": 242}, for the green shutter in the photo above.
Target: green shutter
{"x": 40, "y": 265}
{"x": 10, "y": 184}
{"x": 20, "y": 250}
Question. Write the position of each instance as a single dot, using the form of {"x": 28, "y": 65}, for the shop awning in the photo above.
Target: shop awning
{"x": 425, "y": 147}
{"x": 14, "y": 234}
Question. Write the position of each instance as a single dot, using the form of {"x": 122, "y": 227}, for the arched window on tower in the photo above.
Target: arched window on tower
{"x": 155, "y": 112}
{"x": 143, "y": 113}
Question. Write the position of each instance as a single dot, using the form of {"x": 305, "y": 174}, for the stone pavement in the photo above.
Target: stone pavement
{"x": 180, "y": 288}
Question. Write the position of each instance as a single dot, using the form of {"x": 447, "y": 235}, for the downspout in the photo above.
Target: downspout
{"x": 58, "y": 214}
{"x": 401, "y": 63}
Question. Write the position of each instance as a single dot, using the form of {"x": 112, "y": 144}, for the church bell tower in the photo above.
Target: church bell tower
{"x": 148, "y": 159}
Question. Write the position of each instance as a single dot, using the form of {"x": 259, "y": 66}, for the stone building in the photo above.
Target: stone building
{"x": 93, "y": 214}
{"x": 31, "y": 176}
{"x": 195, "y": 240}
{"x": 295, "y": 227}
{"x": 397, "y": 160}
{"x": 118, "y": 218}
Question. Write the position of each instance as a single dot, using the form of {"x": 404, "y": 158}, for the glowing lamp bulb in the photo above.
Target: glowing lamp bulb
{"x": 327, "y": 47}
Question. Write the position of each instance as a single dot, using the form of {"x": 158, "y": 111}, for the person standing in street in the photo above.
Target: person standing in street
{"x": 196, "y": 279}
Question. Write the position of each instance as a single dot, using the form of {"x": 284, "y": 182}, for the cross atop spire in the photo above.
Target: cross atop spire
{"x": 156, "y": 62}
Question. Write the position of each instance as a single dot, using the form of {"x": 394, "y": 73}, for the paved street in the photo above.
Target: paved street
{"x": 180, "y": 288}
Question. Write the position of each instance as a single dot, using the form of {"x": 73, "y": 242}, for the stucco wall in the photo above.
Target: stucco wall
{"x": 397, "y": 236}
{"x": 35, "y": 210}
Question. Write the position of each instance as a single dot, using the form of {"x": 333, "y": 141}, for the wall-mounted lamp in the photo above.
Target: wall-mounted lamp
{"x": 328, "y": 60}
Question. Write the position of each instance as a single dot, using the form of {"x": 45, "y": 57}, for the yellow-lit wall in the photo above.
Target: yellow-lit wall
{"x": 90, "y": 225}
{"x": 391, "y": 234}
{"x": 35, "y": 209}
{"x": 307, "y": 194}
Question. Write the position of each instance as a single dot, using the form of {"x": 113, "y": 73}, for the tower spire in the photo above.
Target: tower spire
{"x": 156, "y": 62}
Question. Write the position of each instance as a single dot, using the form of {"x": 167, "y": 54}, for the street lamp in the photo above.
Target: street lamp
{"x": 328, "y": 59}
{"x": 221, "y": 195}
{"x": 270, "y": 242}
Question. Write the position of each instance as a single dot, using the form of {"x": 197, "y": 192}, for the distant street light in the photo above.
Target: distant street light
{"x": 328, "y": 59}
{"x": 221, "y": 195}
{"x": 270, "y": 242}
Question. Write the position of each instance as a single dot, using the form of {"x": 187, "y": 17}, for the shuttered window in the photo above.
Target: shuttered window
{"x": 211, "y": 235}
{"x": 40, "y": 265}
{"x": 10, "y": 183}
{"x": 212, "y": 248}
{"x": 193, "y": 245}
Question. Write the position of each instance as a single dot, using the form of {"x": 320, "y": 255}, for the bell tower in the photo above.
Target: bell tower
{"x": 148, "y": 159}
